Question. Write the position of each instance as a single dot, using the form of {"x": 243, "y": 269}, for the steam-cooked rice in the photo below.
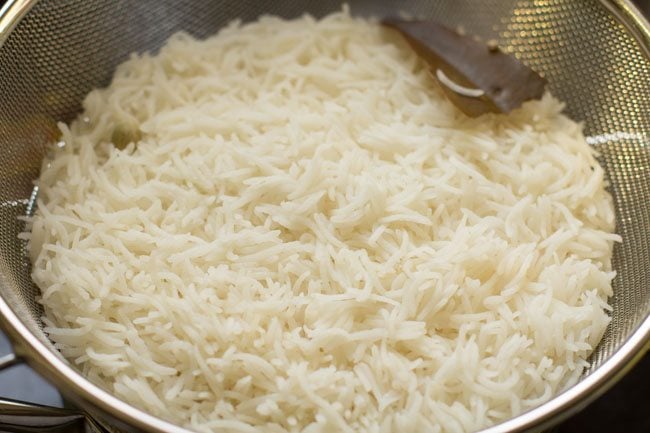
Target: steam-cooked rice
{"x": 305, "y": 236}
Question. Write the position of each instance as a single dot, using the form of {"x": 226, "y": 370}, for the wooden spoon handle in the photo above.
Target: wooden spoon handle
{"x": 478, "y": 78}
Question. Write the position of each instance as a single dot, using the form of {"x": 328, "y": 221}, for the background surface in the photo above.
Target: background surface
{"x": 624, "y": 408}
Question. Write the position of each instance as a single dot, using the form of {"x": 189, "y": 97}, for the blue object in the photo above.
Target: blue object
{"x": 21, "y": 383}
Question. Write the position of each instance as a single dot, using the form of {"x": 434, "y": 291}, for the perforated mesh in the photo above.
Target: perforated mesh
{"x": 595, "y": 67}
{"x": 64, "y": 48}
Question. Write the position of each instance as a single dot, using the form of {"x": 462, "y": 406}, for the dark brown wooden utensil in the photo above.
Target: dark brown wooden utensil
{"x": 477, "y": 77}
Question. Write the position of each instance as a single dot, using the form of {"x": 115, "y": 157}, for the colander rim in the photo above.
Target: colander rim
{"x": 62, "y": 375}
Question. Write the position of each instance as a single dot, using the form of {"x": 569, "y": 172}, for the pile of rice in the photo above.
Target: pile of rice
{"x": 304, "y": 235}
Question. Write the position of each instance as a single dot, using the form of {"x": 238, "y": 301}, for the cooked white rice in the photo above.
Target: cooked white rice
{"x": 307, "y": 237}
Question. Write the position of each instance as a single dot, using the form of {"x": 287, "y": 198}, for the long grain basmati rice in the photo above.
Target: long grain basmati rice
{"x": 305, "y": 236}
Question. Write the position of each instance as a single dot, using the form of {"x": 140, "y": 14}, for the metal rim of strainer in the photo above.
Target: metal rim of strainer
{"x": 83, "y": 392}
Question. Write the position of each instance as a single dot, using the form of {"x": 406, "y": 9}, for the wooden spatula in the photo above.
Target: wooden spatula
{"x": 477, "y": 77}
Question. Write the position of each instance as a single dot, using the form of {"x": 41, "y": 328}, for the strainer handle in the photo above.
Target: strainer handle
{"x": 33, "y": 418}
{"x": 9, "y": 360}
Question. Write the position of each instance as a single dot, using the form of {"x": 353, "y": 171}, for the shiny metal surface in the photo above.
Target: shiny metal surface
{"x": 8, "y": 360}
{"x": 28, "y": 418}
{"x": 595, "y": 55}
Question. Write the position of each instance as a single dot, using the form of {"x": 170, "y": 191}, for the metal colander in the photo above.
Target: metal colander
{"x": 595, "y": 55}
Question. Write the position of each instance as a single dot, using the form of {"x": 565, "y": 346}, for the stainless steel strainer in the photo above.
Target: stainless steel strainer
{"x": 595, "y": 55}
